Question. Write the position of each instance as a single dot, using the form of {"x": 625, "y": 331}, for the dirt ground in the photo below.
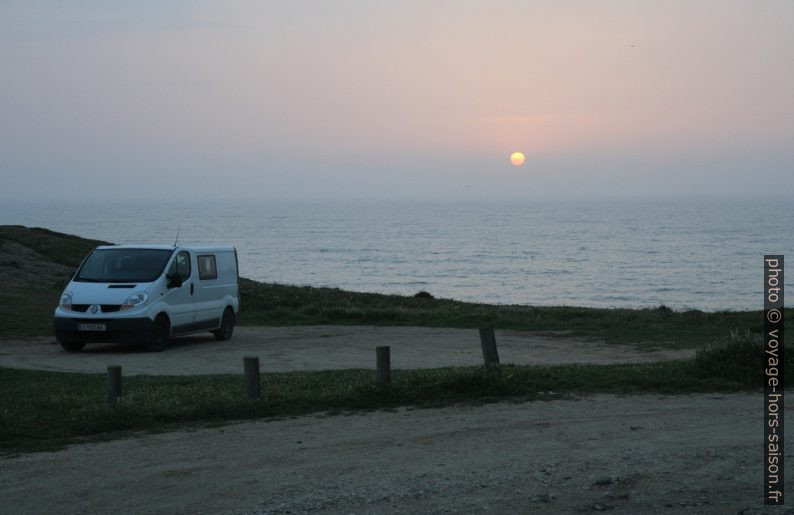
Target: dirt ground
{"x": 632, "y": 454}
{"x": 323, "y": 348}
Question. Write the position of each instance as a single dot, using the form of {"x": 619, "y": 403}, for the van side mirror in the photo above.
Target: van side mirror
{"x": 174, "y": 280}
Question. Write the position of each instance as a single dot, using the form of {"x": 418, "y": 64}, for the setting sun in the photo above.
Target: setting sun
{"x": 517, "y": 158}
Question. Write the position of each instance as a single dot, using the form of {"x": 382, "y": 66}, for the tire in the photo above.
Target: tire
{"x": 227, "y": 326}
{"x": 160, "y": 335}
{"x": 72, "y": 346}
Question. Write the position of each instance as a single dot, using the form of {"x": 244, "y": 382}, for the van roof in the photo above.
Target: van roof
{"x": 194, "y": 248}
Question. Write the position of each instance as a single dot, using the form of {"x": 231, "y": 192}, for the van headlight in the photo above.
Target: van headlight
{"x": 135, "y": 300}
{"x": 66, "y": 301}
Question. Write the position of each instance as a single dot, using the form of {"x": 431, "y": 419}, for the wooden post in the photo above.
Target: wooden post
{"x": 488, "y": 341}
{"x": 383, "y": 373}
{"x": 251, "y": 368}
{"x": 114, "y": 384}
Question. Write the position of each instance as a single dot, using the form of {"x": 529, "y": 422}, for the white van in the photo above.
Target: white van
{"x": 145, "y": 294}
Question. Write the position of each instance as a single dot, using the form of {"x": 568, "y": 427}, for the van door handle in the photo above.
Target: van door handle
{"x": 191, "y": 288}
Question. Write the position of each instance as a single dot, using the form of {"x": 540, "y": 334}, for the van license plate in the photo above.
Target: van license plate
{"x": 90, "y": 327}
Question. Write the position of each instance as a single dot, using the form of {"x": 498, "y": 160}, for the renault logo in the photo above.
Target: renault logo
{"x": 94, "y": 309}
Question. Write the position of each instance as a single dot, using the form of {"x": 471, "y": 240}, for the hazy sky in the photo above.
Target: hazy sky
{"x": 395, "y": 98}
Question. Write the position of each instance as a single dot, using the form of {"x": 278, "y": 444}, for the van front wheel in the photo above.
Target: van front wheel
{"x": 161, "y": 333}
{"x": 72, "y": 346}
{"x": 227, "y": 326}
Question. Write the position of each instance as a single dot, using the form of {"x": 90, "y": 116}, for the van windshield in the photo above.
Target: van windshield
{"x": 123, "y": 266}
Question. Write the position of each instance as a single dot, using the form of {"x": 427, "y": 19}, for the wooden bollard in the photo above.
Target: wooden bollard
{"x": 251, "y": 368}
{"x": 114, "y": 384}
{"x": 488, "y": 341}
{"x": 383, "y": 372}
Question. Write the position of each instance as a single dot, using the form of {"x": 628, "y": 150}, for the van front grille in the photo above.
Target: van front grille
{"x": 106, "y": 308}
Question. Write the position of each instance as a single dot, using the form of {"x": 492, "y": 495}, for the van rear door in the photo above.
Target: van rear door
{"x": 209, "y": 289}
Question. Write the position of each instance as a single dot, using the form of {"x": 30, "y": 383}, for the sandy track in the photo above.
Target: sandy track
{"x": 633, "y": 454}
{"x": 322, "y": 348}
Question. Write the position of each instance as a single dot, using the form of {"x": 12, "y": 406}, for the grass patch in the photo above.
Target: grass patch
{"x": 28, "y": 312}
{"x": 742, "y": 358}
{"x": 277, "y": 304}
{"x": 44, "y": 410}
{"x": 64, "y": 249}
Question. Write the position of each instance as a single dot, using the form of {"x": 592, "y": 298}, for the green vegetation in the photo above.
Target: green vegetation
{"x": 276, "y": 304}
{"x": 64, "y": 249}
{"x": 27, "y": 312}
{"x": 43, "y": 410}
{"x": 741, "y": 358}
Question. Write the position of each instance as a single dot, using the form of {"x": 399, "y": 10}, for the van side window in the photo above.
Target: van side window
{"x": 207, "y": 268}
{"x": 181, "y": 264}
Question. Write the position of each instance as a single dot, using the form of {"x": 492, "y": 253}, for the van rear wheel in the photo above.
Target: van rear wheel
{"x": 161, "y": 333}
{"x": 227, "y": 326}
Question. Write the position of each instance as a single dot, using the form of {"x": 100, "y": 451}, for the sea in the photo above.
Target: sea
{"x": 704, "y": 254}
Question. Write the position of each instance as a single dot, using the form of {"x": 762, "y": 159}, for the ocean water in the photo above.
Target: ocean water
{"x": 699, "y": 254}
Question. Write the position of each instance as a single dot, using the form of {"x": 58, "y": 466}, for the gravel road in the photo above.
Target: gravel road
{"x": 323, "y": 348}
{"x": 632, "y": 454}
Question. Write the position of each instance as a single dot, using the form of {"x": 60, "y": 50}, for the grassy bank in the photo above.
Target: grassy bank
{"x": 274, "y": 304}
{"x": 44, "y": 410}
{"x": 63, "y": 249}
{"x": 27, "y": 304}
